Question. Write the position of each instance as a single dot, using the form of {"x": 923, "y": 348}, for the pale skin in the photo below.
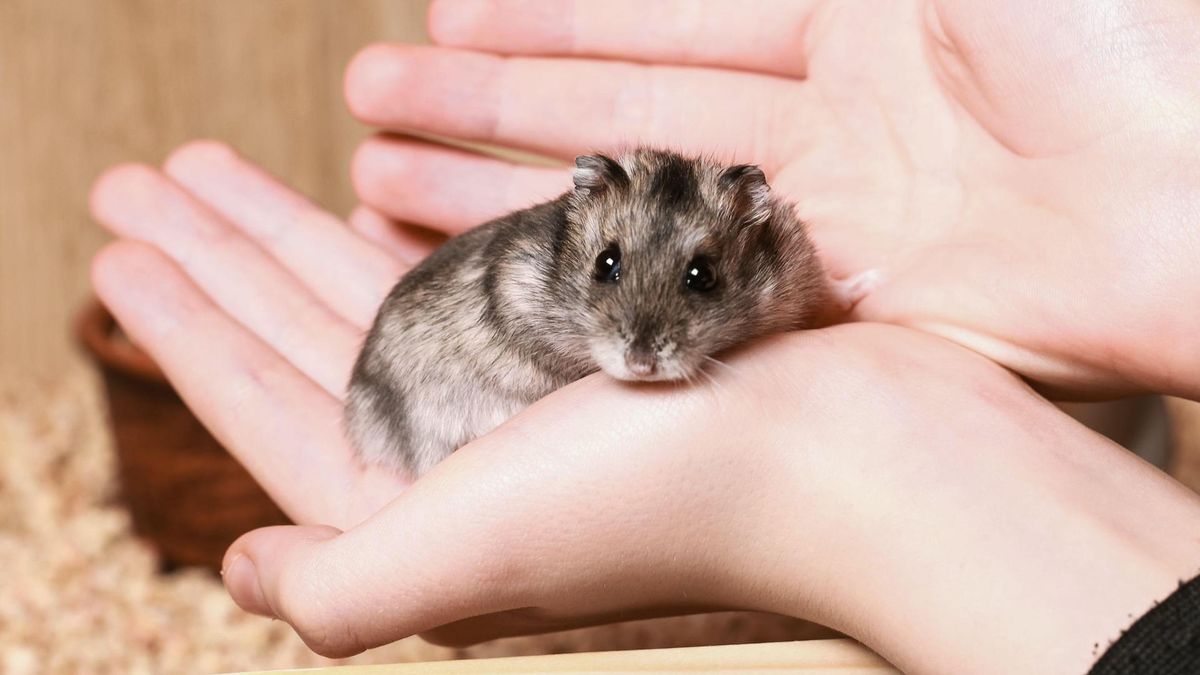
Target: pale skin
{"x": 1028, "y": 193}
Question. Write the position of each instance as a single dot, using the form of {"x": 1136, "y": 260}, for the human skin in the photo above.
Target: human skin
{"x": 937, "y": 510}
{"x": 880, "y": 480}
{"x": 1023, "y": 174}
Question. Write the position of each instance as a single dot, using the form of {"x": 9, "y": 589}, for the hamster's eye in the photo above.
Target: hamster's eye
{"x": 700, "y": 275}
{"x": 608, "y": 265}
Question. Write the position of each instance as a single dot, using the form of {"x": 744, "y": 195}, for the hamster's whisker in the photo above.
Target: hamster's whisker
{"x": 720, "y": 393}
{"x": 689, "y": 379}
{"x": 722, "y": 364}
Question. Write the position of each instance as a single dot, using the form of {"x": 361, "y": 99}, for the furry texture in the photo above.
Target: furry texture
{"x": 504, "y": 314}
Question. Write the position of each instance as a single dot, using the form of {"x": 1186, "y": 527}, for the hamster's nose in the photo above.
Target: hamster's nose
{"x": 641, "y": 363}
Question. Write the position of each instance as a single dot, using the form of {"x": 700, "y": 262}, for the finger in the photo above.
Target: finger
{"x": 276, "y": 547}
{"x": 768, "y": 37}
{"x": 564, "y": 107}
{"x": 314, "y": 579}
{"x": 139, "y": 203}
{"x": 281, "y": 426}
{"x": 348, "y": 274}
{"x": 240, "y": 573}
{"x": 407, "y": 243}
{"x": 446, "y": 188}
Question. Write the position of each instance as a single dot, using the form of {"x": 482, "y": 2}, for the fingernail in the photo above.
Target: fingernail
{"x": 241, "y": 580}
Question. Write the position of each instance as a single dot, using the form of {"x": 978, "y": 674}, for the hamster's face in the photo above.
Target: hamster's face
{"x": 675, "y": 260}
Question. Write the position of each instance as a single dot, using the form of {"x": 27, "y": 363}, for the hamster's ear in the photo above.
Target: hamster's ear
{"x": 751, "y": 198}
{"x": 596, "y": 173}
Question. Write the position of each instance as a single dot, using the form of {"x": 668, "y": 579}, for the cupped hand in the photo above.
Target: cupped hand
{"x": 1022, "y": 173}
{"x": 807, "y": 477}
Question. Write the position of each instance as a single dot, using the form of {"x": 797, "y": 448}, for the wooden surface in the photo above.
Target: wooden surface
{"x": 1184, "y": 463}
{"x": 813, "y": 657}
{"x": 88, "y": 83}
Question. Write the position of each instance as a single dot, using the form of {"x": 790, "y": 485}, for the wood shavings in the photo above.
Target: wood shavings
{"x": 81, "y": 594}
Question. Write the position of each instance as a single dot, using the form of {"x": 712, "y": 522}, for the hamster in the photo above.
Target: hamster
{"x": 653, "y": 263}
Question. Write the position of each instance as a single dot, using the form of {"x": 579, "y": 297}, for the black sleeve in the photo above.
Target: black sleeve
{"x": 1165, "y": 641}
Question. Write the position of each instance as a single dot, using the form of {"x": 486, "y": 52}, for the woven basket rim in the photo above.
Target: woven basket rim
{"x": 96, "y": 330}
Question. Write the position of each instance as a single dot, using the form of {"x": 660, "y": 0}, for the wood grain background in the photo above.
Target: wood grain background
{"x": 88, "y": 83}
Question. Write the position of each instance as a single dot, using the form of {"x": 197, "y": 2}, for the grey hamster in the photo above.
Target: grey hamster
{"x": 651, "y": 264}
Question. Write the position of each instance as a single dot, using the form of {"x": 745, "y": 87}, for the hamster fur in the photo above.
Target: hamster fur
{"x": 650, "y": 265}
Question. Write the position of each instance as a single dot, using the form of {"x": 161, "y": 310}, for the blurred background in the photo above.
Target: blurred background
{"x": 114, "y": 505}
{"x": 87, "y": 84}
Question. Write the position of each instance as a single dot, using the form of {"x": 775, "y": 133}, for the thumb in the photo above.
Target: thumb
{"x": 262, "y": 573}
{"x": 269, "y": 548}
{"x": 440, "y": 552}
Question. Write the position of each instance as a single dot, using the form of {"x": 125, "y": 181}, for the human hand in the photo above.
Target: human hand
{"x": 254, "y": 303}
{"x": 877, "y": 480}
{"x": 1022, "y": 174}
{"x": 606, "y": 501}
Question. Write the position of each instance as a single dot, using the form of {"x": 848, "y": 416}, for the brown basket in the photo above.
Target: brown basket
{"x": 187, "y": 495}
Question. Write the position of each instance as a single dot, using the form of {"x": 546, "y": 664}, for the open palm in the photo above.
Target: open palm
{"x": 1013, "y": 169}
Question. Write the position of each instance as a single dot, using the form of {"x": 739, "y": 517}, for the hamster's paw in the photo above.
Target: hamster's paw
{"x": 846, "y": 293}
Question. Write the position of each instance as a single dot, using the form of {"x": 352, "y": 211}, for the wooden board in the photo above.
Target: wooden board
{"x": 88, "y": 83}
{"x": 814, "y": 657}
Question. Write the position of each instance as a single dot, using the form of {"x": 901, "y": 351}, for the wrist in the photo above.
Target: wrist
{"x": 1052, "y": 561}
{"x": 1061, "y": 539}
